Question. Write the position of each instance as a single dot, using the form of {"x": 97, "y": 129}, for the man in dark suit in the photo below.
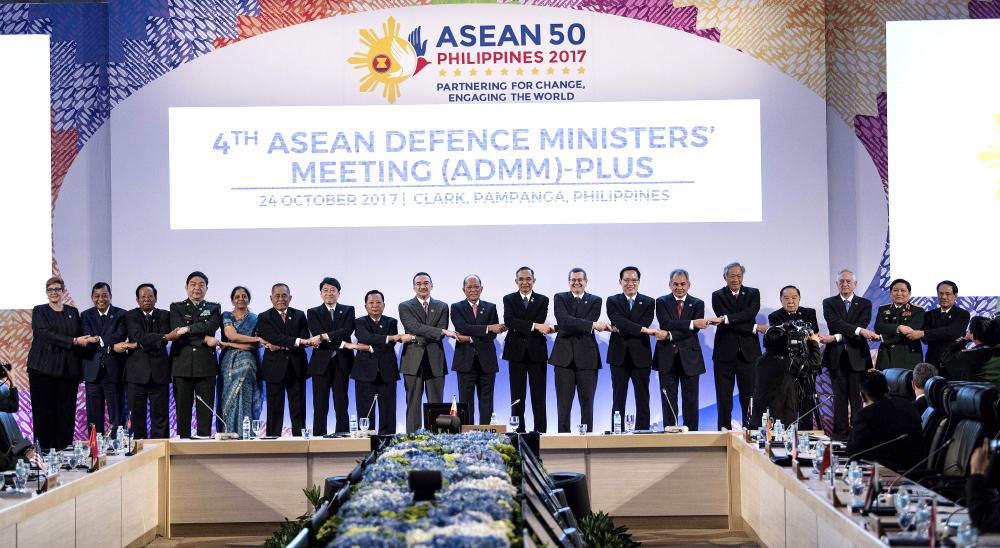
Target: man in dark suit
{"x": 194, "y": 365}
{"x": 475, "y": 361}
{"x": 737, "y": 345}
{"x": 525, "y": 348}
{"x": 423, "y": 364}
{"x": 882, "y": 419}
{"x": 102, "y": 369}
{"x": 678, "y": 358}
{"x": 921, "y": 374}
{"x": 286, "y": 331}
{"x": 847, "y": 355}
{"x": 375, "y": 371}
{"x": 944, "y": 324}
{"x": 147, "y": 367}
{"x": 790, "y": 311}
{"x": 575, "y": 354}
{"x": 630, "y": 353}
{"x": 331, "y": 325}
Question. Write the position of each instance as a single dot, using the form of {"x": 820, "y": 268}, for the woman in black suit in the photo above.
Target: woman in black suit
{"x": 54, "y": 367}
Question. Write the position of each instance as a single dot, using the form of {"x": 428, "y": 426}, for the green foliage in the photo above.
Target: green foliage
{"x": 289, "y": 529}
{"x": 283, "y": 536}
{"x": 599, "y": 530}
{"x": 328, "y": 531}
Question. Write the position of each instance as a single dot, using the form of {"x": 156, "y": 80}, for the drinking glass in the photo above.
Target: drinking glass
{"x": 258, "y": 427}
{"x": 967, "y": 535}
{"x": 629, "y": 423}
{"x": 363, "y": 424}
{"x": 515, "y": 422}
{"x": 20, "y": 475}
{"x": 905, "y": 520}
{"x": 306, "y": 433}
{"x": 581, "y": 429}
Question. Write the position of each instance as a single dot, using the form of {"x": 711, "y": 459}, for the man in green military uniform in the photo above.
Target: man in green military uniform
{"x": 194, "y": 322}
{"x": 899, "y": 323}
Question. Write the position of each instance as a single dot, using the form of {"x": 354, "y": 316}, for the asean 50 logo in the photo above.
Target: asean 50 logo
{"x": 389, "y": 60}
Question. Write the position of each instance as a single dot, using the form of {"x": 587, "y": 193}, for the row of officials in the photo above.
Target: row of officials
{"x": 129, "y": 359}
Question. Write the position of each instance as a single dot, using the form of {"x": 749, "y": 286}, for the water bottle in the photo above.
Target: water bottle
{"x": 762, "y": 436}
{"x": 354, "y": 426}
{"x": 779, "y": 431}
{"x": 246, "y": 427}
{"x": 100, "y": 444}
{"x": 120, "y": 440}
{"x": 493, "y": 418}
{"x": 617, "y": 423}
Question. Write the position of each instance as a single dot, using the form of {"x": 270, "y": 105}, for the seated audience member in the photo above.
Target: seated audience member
{"x": 881, "y": 420}
{"x": 959, "y": 363}
{"x": 921, "y": 374}
{"x": 980, "y": 496}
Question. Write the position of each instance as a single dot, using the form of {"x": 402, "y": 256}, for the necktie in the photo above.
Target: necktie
{"x": 525, "y": 299}
{"x": 475, "y": 310}
{"x": 631, "y": 303}
{"x": 283, "y": 318}
{"x": 847, "y": 306}
{"x": 145, "y": 321}
{"x": 426, "y": 307}
{"x": 333, "y": 313}
{"x": 680, "y": 309}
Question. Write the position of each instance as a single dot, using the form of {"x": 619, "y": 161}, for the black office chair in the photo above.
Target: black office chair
{"x": 900, "y": 383}
{"x": 935, "y": 413}
{"x": 972, "y": 415}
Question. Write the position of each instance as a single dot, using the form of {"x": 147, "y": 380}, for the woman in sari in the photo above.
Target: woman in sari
{"x": 240, "y": 387}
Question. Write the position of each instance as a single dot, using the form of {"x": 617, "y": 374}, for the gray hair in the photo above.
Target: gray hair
{"x": 730, "y": 266}
{"x": 847, "y": 271}
{"x": 679, "y": 272}
{"x": 478, "y": 279}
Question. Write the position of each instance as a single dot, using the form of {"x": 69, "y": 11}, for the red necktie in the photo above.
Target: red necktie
{"x": 680, "y": 308}
{"x": 283, "y": 318}
{"x": 475, "y": 308}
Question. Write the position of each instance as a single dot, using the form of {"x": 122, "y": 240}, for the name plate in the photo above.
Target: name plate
{"x": 492, "y": 428}
{"x": 51, "y": 482}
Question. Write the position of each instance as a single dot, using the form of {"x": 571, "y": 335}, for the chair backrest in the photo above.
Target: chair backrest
{"x": 973, "y": 406}
{"x": 900, "y": 383}
{"x": 933, "y": 422}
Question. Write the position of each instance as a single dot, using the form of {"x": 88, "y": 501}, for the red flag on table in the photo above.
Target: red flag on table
{"x": 825, "y": 463}
{"x": 454, "y": 407}
{"x": 92, "y": 442}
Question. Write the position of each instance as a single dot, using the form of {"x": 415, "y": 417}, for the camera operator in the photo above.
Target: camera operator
{"x": 979, "y": 494}
{"x": 13, "y": 446}
{"x": 790, "y": 362}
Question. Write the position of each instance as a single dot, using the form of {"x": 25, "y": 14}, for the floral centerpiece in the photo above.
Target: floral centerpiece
{"x": 477, "y": 506}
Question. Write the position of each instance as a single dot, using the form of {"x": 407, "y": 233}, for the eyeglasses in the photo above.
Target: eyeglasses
{"x": 53, "y": 290}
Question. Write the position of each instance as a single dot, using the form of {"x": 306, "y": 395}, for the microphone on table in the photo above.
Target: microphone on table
{"x": 921, "y": 461}
{"x": 874, "y": 447}
{"x": 823, "y": 400}
{"x": 218, "y": 435}
{"x": 672, "y": 429}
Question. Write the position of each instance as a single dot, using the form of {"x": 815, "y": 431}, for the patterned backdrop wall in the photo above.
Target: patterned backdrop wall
{"x": 103, "y": 53}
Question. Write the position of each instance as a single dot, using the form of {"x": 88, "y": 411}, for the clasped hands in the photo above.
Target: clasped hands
{"x": 910, "y": 333}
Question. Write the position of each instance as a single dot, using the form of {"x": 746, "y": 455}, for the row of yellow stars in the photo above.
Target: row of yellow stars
{"x": 535, "y": 71}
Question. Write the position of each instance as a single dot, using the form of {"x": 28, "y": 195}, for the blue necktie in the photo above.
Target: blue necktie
{"x": 847, "y": 306}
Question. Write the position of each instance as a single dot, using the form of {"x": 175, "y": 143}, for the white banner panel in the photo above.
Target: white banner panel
{"x": 472, "y": 164}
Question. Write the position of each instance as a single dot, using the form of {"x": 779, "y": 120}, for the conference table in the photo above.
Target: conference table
{"x": 187, "y": 488}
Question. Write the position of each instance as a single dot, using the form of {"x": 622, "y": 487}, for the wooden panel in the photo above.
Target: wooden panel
{"x": 245, "y": 488}
{"x": 99, "y": 516}
{"x": 632, "y": 482}
{"x": 830, "y": 535}
{"x": 323, "y": 465}
{"x": 572, "y": 460}
{"x": 140, "y": 502}
{"x": 8, "y": 536}
{"x": 49, "y": 528}
{"x": 800, "y": 522}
